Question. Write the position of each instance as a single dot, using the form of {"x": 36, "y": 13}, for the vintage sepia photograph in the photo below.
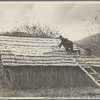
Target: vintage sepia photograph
{"x": 50, "y": 49}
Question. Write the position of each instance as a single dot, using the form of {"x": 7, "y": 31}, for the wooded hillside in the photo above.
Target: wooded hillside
{"x": 92, "y": 43}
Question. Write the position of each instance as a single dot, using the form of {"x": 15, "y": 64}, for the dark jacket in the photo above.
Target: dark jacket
{"x": 68, "y": 45}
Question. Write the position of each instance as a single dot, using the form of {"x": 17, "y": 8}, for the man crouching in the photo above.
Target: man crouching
{"x": 68, "y": 45}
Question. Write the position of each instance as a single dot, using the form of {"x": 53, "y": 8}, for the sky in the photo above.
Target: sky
{"x": 67, "y": 17}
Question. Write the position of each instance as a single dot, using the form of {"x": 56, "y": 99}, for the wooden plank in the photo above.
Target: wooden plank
{"x": 95, "y": 65}
{"x": 37, "y": 62}
{"x": 86, "y": 56}
{"x": 92, "y": 62}
{"x": 30, "y": 64}
{"x": 30, "y": 47}
{"x": 29, "y": 41}
{"x": 28, "y": 44}
{"x": 35, "y": 57}
{"x": 38, "y": 59}
{"x": 89, "y": 59}
{"x": 13, "y": 37}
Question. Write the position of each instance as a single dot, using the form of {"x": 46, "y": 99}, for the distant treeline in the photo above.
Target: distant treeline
{"x": 32, "y": 31}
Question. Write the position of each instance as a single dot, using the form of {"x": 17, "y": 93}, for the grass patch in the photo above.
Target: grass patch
{"x": 52, "y": 92}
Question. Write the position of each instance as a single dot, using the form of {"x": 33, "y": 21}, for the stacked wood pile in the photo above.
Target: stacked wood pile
{"x": 18, "y": 51}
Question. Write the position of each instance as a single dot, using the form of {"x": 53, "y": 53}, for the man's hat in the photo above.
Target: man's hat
{"x": 60, "y": 36}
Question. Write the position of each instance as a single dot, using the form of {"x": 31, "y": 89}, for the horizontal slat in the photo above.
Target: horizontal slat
{"x": 93, "y": 62}
{"x": 28, "y": 51}
{"x": 36, "y": 61}
{"x": 39, "y": 55}
{"x": 25, "y": 38}
{"x": 95, "y": 65}
{"x": 28, "y": 42}
{"x": 22, "y": 64}
{"x": 89, "y": 59}
{"x": 29, "y": 54}
{"x": 86, "y": 57}
{"x": 39, "y": 58}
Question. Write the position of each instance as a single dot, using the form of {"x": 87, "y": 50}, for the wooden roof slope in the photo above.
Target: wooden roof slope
{"x": 22, "y": 51}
